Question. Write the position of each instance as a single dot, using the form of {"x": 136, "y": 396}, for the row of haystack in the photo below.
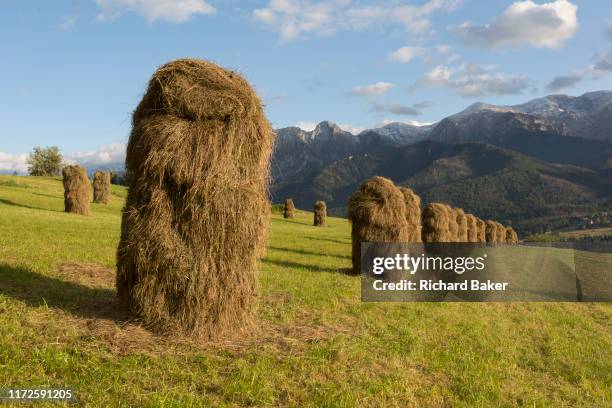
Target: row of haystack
{"x": 443, "y": 223}
{"x": 77, "y": 189}
{"x": 379, "y": 211}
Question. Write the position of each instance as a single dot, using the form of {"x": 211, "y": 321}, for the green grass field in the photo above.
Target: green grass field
{"x": 316, "y": 344}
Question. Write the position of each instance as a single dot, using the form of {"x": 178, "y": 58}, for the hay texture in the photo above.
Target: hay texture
{"x": 377, "y": 213}
{"x": 491, "y": 232}
{"x": 413, "y": 214}
{"x": 500, "y": 233}
{"x": 436, "y": 223}
{"x": 320, "y": 213}
{"x": 101, "y": 187}
{"x": 472, "y": 228}
{"x": 462, "y": 225}
{"x": 195, "y": 221}
{"x": 289, "y": 210}
{"x": 511, "y": 236}
{"x": 482, "y": 230}
{"x": 453, "y": 227}
{"x": 77, "y": 192}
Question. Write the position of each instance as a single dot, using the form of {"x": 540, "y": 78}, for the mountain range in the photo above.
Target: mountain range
{"x": 543, "y": 164}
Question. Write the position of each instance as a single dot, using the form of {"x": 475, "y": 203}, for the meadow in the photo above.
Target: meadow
{"x": 316, "y": 343}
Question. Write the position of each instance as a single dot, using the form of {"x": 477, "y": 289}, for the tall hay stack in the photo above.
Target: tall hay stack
{"x": 377, "y": 213}
{"x": 462, "y": 226}
{"x": 320, "y": 213}
{"x": 413, "y": 214}
{"x": 501, "y": 233}
{"x": 435, "y": 223}
{"x": 289, "y": 210}
{"x": 472, "y": 228}
{"x": 491, "y": 232}
{"x": 101, "y": 187}
{"x": 195, "y": 220}
{"x": 511, "y": 236}
{"x": 482, "y": 230}
{"x": 453, "y": 227}
{"x": 77, "y": 192}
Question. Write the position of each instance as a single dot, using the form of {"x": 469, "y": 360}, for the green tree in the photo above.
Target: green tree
{"x": 45, "y": 162}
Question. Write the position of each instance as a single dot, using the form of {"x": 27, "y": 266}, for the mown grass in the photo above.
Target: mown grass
{"x": 316, "y": 345}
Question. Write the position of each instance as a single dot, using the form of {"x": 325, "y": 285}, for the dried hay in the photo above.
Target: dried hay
{"x": 195, "y": 221}
{"x": 436, "y": 223}
{"x": 101, "y": 187}
{"x": 472, "y": 228}
{"x": 77, "y": 191}
{"x": 320, "y": 213}
{"x": 413, "y": 214}
{"x": 289, "y": 210}
{"x": 377, "y": 213}
{"x": 462, "y": 225}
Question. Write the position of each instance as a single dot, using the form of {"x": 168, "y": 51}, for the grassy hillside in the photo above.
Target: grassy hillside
{"x": 316, "y": 345}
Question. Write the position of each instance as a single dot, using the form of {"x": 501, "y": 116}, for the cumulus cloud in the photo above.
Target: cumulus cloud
{"x": 376, "y": 89}
{"x": 438, "y": 53}
{"x": 299, "y": 18}
{"x": 10, "y": 163}
{"x": 601, "y": 67}
{"x": 175, "y": 11}
{"x": 525, "y": 22}
{"x": 471, "y": 80}
{"x": 407, "y": 54}
{"x": 399, "y": 109}
{"x": 112, "y": 155}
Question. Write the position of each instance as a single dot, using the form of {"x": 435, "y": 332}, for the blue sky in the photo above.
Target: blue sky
{"x": 73, "y": 71}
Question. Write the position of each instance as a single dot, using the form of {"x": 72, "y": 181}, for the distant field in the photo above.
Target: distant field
{"x": 595, "y": 232}
{"x": 316, "y": 345}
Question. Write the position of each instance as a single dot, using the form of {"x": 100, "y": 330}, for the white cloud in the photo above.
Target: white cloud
{"x": 106, "y": 155}
{"x": 175, "y": 11}
{"x": 307, "y": 126}
{"x": 439, "y": 53}
{"x": 67, "y": 22}
{"x": 376, "y": 89}
{"x": 525, "y": 22}
{"x": 299, "y": 18}
{"x": 352, "y": 129}
{"x": 10, "y": 163}
{"x": 471, "y": 80}
{"x": 406, "y": 54}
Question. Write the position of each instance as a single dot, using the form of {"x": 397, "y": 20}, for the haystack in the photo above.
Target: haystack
{"x": 511, "y": 236}
{"x": 320, "y": 213}
{"x": 101, "y": 187}
{"x": 462, "y": 225}
{"x": 472, "y": 228}
{"x": 289, "y": 210}
{"x": 482, "y": 230}
{"x": 413, "y": 214}
{"x": 453, "y": 227}
{"x": 77, "y": 192}
{"x": 377, "y": 213}
{"x": 195, "y": 220}
{"x": 436, "y": 223}
{"x": 501, "y": 233}
{"x": 491, "y": 232}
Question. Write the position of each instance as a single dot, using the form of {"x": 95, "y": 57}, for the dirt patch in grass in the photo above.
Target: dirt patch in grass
{"x": 90, "y": 275}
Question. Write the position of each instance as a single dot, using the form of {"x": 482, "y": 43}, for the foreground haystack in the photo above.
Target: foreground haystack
{"x": 76, "y": 190}
{"x": 289, "y": 210}
{"x": 462, "y": 226}
{"x": 511, "y": 236}
{"x": 413, "y": 214}
{"x": 377, "y": 213}
{"x": 436, "y": 223}
{"x": 471, "y": 223}
{"x": 101, "y": 187}
{"x": 195, "y": 219}
{"x": 320, "y": 213}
